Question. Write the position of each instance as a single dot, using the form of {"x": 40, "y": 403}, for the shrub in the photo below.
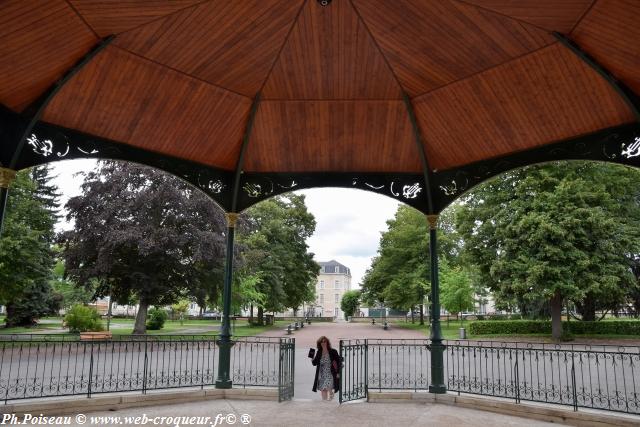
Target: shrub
{"x": 515, "y": 317}
{"x": 81, "y": 318}
{"x": 480, "y": 317}
{"x": 522, "y": 327}
{"x": 156, "y": 319}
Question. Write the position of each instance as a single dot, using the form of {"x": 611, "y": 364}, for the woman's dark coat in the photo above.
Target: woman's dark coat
{"x": 335, "y": 368}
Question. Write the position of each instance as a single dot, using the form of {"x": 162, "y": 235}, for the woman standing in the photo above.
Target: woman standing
{"x": 328, "y": 364}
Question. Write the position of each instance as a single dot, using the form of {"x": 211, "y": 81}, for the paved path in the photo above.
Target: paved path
{"x": 306, "y": 338}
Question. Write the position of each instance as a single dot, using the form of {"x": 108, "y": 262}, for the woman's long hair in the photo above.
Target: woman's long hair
{"x": 319, "y": 343}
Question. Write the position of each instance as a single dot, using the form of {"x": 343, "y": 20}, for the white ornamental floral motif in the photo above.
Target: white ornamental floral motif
{"x": 44, "y": 148}
{"x": 632, "y": 150}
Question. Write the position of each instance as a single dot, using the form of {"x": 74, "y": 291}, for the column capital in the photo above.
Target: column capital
{"x": 6, "y": 177}
{"x": 433, "y": 221}
{"x": 232, "y": 219}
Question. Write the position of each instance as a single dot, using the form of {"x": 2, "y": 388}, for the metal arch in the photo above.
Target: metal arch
{"x": 243, "y": 150}
{"x": 423, "y": 156}
{"x": 619, "y": 144}
{"x": 45, "y": 99}
{"x": 629, "y": 96}
{"x": 68, "y": 144}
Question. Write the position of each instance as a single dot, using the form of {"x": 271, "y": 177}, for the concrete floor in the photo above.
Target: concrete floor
{"x": 314, "y": 414}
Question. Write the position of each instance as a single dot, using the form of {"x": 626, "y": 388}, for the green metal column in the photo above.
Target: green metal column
{"x": 224, "y": 343}
{"x": 437, "y": 349}
{"x": 6, "y": 178}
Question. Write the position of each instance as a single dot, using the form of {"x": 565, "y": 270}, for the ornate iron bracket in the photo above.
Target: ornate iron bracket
{"x": 37, "y": 108}
{"x": 6, "y": 177}
{"x": 423, "y": 156}
{"x": 619, "y": 144}
{"x": 243, "y": 150}
{"x": 49, "y": 143}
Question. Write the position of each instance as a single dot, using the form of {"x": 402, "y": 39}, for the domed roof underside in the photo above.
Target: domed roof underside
{"x": 485, "y": 78}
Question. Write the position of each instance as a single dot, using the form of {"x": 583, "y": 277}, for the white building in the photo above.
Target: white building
{"x": 333, "y": 281}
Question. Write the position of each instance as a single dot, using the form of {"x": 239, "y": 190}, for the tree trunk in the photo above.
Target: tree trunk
{"x": 587, "y": 308}
{"x": 251, "y": 313}
{"x": 140, "y": 327}
{"x": 200, "y": 312}
{"x": 260, "y": 316}
{"x": 556, "y": 316}
{"x": 413, "y": 317}
{"x": 421, "y": 314}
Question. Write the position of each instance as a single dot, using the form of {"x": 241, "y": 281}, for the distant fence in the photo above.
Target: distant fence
{"x": 33, "y": 366}
{"x": 597, "y": 377}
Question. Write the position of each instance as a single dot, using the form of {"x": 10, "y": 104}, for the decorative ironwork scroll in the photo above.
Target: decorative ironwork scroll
{"x": 618, "y": 145}
{"x": 406, "y": 188}
{"x": 49, "y": 143}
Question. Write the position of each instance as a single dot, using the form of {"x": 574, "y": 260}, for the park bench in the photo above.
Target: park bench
{"x": 289, "y": 329}
{"x": 95, "y": 336}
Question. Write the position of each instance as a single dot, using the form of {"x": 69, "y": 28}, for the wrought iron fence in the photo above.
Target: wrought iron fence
{"x": 598, "y": 377}
{"x": 34, "y": 366}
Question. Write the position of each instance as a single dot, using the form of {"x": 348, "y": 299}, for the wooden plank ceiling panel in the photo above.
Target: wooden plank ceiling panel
{"x": 331, "y": 55}
{"x": 611, "y": 34}
{"x": 432, "y": 43}
{"x": 39, "y": 42}
{"x": 108, "y": 17}
{"x": 545, "y": 97}
{"x": 232, "y": 44}
{"x": 332, "y": 136}
{"x": 126, "y": 98}
{"x": 553, "y": 15}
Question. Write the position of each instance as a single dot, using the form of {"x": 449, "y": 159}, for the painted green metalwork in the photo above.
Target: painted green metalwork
{"x": 614, "y": 145}
{"x": 420, "y": 147}
{"x": 437, "y": 348}
{"x": 225, "y": 343}
{"x": 224, "y": 380}
{"x": 41, "y": 103}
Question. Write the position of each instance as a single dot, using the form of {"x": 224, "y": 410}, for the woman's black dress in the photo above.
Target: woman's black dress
{"x": 335, "y": 368}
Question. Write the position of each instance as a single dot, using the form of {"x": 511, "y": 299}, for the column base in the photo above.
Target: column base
{"x": 437, "y": 388}
{"x": 226, "y": 384}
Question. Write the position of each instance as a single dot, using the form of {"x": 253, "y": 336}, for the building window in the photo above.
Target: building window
{"x": 321, "y": 284}
{"x": 337, "y": 284}
{"x": 337, "y": 269}
{"x": 336, "y": 312}
{"x": 337, "y": 297}
{"x": 321, "y": 298}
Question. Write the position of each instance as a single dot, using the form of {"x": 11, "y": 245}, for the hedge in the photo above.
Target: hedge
{"x": 523, "y": 327}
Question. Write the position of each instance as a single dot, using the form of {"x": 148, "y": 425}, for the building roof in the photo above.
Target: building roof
{"x": 320, "y": 95}
{"x": 329, "y": 267}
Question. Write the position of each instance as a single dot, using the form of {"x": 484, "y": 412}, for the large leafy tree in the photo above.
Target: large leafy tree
{"x": 273, "y": 234}
{"x": 557, "y": 232}
{"x": 399, "y": 274}
{"x": 26, "y": 257}
{"x": 349, "y": 302}
{"x": 456, "y": 293}
{"x": 142, "y": 233}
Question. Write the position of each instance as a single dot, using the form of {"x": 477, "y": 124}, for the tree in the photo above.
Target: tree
{"x": 349, "y": 302}
{"x": 26, "y": 257}
{"x": 399, "y": 273}
{"x": 273, "y": 237}
{"x": 140, "y": 232}
{"x": 456, "y": 292}
{"x": 555, "y": 232}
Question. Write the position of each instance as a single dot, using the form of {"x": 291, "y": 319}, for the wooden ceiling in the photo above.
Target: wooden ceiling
{"x": 486, "y": 77}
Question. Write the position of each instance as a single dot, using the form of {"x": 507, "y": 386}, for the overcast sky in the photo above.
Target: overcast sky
{"x": 349, "y": 222}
